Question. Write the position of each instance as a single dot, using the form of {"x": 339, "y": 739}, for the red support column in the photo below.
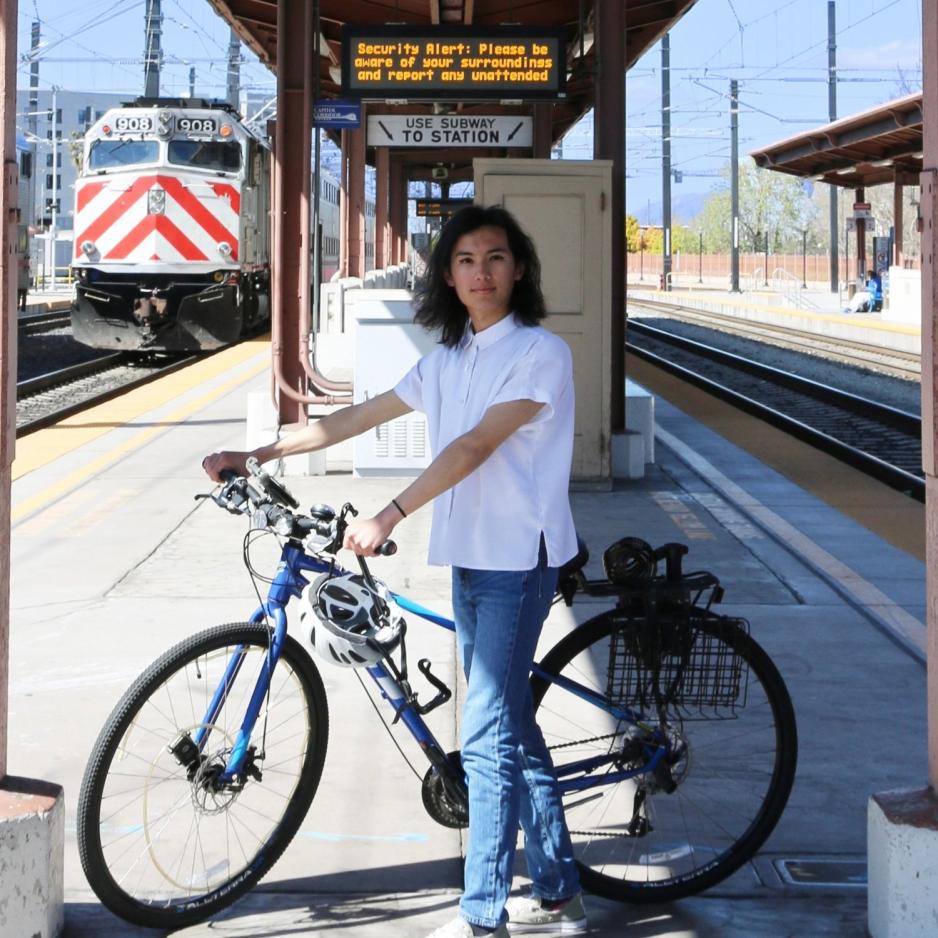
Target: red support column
{"x": 343, "y": 203}
{"x": 382, "y": 180}
{"x": 543, "y": 130}
{"x": 9, "y": 214}
{"x": 929, "y": 207}
{"x": 609, "y": 144}
{"x": 356, "y": 200}
{"x": 861, "y": 241}
{"x": 395, "y": 198}
{"x": 291, "y": 267}
{"x": 898, "y": 222}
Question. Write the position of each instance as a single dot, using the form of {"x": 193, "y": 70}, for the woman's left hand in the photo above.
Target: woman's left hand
{"x": 365, "y": 537}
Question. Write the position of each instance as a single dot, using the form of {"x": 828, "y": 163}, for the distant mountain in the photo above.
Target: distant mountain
{"x": 683, "y": 208}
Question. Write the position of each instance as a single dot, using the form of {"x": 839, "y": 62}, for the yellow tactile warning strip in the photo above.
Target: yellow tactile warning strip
{"x": 892, "y": 617}
{"x": 39, "y": 449}
{"x": 849, "y": 320}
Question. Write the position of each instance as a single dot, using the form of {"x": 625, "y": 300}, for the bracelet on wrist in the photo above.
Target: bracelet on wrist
{"x": 394, "y": 502}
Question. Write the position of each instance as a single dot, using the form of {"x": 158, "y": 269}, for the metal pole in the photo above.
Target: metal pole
{"x": 699, "y": 257}
{"x": 832, "y": 108}
{"x": 666, "y": 157}
{"x": 804, "y": 260}
{"x": 317, "y": 175}
{"x": 734, "y": 184}
{"x": 192, "y": 82}
{"x": 152, "y": 55}
{"x": 765, "y": 272}
{"x": 641, "y": 249}
{"x": 31, "y": 213}
{"x": 233, "y": 85}
{"x": 55, "y": 184}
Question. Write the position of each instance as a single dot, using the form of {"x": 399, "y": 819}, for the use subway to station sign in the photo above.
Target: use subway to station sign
{"x": 440, "y": 62}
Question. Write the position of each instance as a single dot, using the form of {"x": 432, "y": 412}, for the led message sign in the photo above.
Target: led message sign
{"x": 440, "y": 208}
{"x": 440, "y": 62}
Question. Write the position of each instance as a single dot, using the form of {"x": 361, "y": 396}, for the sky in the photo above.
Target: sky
{"x": 776, "y": 49}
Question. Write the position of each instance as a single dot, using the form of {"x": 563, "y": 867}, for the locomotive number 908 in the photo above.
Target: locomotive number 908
{"x": 196, "y": 125}
{"x": 127, "y": 123}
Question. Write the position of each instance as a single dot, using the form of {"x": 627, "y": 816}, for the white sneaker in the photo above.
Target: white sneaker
{"x": 527, "y": 916}
{"x": 460, "y": 928}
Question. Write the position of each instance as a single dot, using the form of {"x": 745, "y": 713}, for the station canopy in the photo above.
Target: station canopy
{"x": 645, "y": 21}
{"x": 880, "y": 145}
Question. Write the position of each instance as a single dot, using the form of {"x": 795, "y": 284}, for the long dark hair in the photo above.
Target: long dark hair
{"x": 436, "y": 302}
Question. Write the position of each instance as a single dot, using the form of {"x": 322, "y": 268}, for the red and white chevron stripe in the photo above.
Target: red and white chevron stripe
{"x": 116, "y": 215}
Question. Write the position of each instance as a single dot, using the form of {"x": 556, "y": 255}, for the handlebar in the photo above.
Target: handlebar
{"x": 273, "y": 506}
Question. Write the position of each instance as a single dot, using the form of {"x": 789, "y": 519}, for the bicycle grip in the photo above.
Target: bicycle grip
{"x": 387, "y": 549}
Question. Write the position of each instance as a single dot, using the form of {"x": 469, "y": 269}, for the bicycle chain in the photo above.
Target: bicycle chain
{"x": 580, "y": 742}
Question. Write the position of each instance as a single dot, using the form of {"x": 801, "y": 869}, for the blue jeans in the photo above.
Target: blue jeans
{"x": 499, "y": 616}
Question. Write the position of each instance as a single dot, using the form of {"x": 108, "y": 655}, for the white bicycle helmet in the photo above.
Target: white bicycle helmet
{"x": 346, "y": 621}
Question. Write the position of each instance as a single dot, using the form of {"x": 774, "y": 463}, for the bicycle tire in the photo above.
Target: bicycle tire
{"x": 746, "y": 790}
{"x": 157, "y": 847}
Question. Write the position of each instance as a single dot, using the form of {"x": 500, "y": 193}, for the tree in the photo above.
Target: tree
{"x": 768, "y": 201}
{"x": 633, "y": 234}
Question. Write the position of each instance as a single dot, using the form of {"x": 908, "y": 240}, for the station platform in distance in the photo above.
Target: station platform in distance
{"x": 113, "y": 562}
{"x": 813, "y": 310}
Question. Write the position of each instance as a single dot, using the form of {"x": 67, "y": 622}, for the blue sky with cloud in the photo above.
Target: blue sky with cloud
{"x": 777, "y": 49}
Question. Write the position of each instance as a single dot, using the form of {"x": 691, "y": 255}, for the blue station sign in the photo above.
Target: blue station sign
{"x": 343, "y": 115}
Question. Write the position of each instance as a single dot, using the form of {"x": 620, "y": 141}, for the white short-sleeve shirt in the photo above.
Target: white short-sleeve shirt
{"x": 493, "y": 519}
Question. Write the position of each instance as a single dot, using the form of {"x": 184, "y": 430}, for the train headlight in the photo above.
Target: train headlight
{"x": 88, "y": 248}
{"x": 164, "y": 123}
{"x": 224, "y": 248}
{"x": 218, "y": 276}
{"x": 225, "y": 130}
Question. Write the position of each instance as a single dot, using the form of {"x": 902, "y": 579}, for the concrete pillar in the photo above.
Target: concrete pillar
{"x": 902, "y": 832}
{"x": 356, "y": 200}
{"x": 292, "y": 152}
{"x": 382, "y": 181}
{"x": 609, "y": 144}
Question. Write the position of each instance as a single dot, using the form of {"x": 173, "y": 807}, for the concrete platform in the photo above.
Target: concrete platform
{"x": 113, "y": 562}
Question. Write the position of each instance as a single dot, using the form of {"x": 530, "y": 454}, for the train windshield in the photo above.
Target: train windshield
{"x": 116, "y": 154}
{"x": 219, "y": 155}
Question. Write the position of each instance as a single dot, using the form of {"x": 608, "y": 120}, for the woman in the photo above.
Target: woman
{"x": 498, "y": 395}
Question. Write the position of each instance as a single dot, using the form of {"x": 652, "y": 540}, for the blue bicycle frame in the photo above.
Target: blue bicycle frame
{"x": 288, "y": 584}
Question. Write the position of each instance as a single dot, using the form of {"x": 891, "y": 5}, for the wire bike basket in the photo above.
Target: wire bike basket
{"x": 686, "y": 663}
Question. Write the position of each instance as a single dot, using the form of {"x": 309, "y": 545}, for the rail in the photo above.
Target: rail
{"x": 789, "y": 287}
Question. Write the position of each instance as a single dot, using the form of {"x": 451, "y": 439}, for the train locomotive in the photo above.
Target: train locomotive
{"x": 172, "y": 232}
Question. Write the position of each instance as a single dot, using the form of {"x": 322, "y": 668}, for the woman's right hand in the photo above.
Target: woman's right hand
{"x": 215, "y": 463}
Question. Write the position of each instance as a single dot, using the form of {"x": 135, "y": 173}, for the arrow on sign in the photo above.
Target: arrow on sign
{"x": 520, "y": 125}
{"x": 388, "y": 132}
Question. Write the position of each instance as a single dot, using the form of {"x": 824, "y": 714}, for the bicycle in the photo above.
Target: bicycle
{"x": 671, "y": 730}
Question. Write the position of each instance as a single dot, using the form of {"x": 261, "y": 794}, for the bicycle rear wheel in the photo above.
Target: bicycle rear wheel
{"x": 159, "y": 843}
{"x": 633, "y": 840}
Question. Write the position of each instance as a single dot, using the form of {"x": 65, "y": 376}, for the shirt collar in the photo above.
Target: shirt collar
{"x": 482, "y": 340}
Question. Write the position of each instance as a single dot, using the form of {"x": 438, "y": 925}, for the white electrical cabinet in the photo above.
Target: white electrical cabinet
{"x": 387, "y": 344}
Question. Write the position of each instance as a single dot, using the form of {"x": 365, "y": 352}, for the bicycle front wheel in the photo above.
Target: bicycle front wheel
{"x": 162, "y": 844}
{"x": 662, "y": 836}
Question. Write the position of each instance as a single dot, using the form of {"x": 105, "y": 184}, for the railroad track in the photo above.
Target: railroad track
{"x": 43, "y": 322}
{"x": 882, "y": 441}
{"x": 895, "y": 362}
{"x": 49, "y": 398}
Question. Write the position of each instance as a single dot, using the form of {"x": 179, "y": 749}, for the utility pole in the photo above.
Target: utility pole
{"x": 152, "y": 55}
{"x": 832, "y": 105}
{"x": 53, "y": 215}
{"x": 191, "y": 81}
{"x": 233, "y": 90}
{"x": 666, "y": 157}
{"x": 734, "y": 184}
{"x": 33, "y": 126}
